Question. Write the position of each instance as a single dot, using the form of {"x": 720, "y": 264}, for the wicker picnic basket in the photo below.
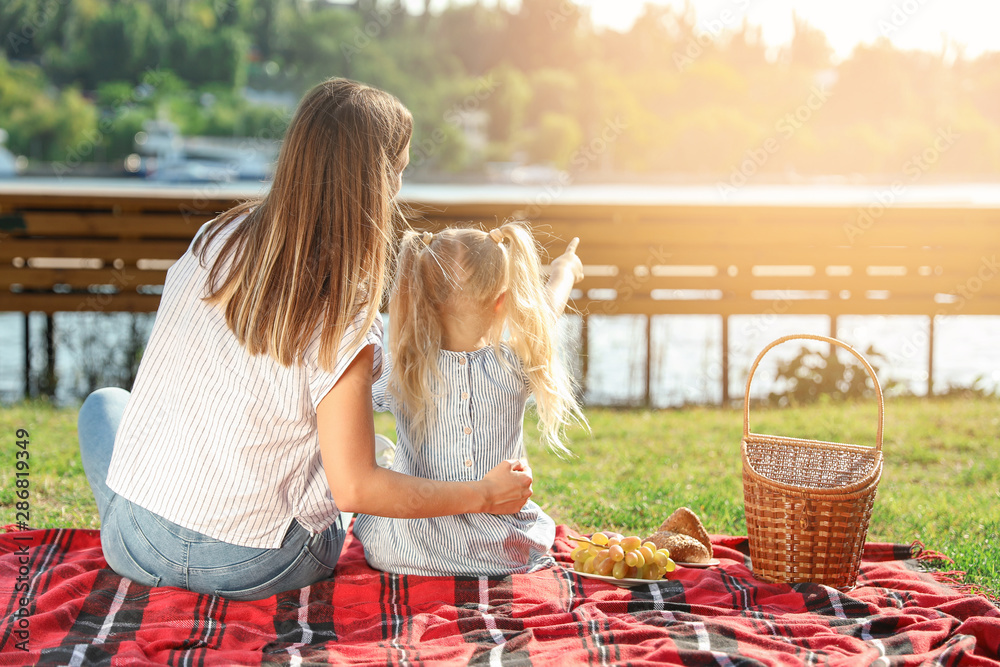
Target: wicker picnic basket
{"x": 808, "y": 502}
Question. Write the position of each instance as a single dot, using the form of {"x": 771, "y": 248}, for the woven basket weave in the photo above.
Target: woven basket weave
{"x": 808, "y": 502}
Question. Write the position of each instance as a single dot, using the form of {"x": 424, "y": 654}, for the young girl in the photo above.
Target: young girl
{"x": 458, "y": 392}
{"x": 249, "y": 426}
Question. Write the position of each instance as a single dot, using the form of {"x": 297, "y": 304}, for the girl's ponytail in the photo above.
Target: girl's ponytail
{"x": 415, "y": 328}
{"x": 532, "y": 326}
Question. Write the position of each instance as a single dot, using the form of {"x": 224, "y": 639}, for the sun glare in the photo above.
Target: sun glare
{"x": 929, "y": 25}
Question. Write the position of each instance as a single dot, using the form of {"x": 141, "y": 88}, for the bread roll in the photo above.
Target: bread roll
{"x": 683, "y": 548}
{"x": 686, "y": 522}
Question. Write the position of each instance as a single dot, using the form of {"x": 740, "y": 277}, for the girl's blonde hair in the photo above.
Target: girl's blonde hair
{"x": 312, "y": 253}
{"x": 466, "y": 271}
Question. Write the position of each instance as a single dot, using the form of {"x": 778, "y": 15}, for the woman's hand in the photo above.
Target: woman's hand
{"x": 506, "y": 487}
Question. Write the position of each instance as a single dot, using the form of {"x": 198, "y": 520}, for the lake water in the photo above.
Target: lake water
{"x": 836, "y": 193}
{"x": 686, "y": 363}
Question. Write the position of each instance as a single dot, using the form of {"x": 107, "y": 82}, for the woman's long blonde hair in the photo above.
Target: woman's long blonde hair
{"x": 466, "y": 271}
{"x": 312, "y": 253}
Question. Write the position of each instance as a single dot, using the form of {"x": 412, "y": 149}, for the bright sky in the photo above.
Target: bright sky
{"x": 909, "y": 24}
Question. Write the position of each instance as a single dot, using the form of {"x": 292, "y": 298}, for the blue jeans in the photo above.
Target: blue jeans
{"x": 150, "y": 550}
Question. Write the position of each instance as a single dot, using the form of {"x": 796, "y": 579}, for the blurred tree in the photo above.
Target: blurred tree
{"x": 263, "y": 27}
{"x": 676, "y": 92}
{"x": 315, "y": 46}
{"x": 507, "y": 104}
{"x": 30, "y": 27}
{"x": 651, "y": 43}
{"x": 702, "y": 140}
{"x": 875, "y": 85}
{"x": 809, "y": 47}
{"x": 812, "y": 375}
{"x": 478, "y": 36}
{"x": 122, "y": 115}
{"x": 555, "y": 139}
{"x": 970, "y": 143}
{"x": 14, "y": 23}
{"x": 42, "y": 123}
{"x": 552, "y": 91}
{"x": 616, "y": 126}
{"x": 122, "y": 42}
{"x": 980, "y": 80}
{"x": 547, "y": 33}
{"x": 746, "y": 49}
{"x": 200, "y": 55}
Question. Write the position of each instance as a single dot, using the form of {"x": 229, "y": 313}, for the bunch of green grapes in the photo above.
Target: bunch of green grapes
{"x": 612, "y": 555}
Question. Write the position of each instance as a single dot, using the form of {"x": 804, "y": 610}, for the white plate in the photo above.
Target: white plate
{"x": 624, "y": 583}
{"x": 711, "y": 563}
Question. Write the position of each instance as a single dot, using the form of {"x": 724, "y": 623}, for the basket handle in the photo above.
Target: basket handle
{"x": 825, "y": 339}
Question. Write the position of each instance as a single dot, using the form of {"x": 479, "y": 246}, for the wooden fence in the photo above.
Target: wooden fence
{"x": 109, "y": 251}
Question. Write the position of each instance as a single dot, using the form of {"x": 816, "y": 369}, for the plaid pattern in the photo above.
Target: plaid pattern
{"x": 80, "y": 613}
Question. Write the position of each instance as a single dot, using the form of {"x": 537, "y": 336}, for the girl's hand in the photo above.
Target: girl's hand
{"x": 506, "y": 488}
{"x": 569, "y": 263}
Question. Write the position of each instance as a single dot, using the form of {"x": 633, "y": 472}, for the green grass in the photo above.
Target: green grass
{"x": 941, "y": 483}
{"x": 59, "y": 493}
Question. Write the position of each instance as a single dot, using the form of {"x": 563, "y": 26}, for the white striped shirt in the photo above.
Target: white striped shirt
{"x": 220, "y": 441}
{"x": 477, "y": 422}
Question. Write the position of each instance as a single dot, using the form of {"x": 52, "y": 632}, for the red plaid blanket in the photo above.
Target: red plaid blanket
{"x": 64, "y": 606}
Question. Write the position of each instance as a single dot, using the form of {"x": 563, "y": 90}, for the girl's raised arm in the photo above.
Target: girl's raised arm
{"x": 358, "y": 484}
{"x": 566, "y": 271}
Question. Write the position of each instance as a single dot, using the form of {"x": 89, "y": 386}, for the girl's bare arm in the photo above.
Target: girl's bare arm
{"x": 566, "y": 271}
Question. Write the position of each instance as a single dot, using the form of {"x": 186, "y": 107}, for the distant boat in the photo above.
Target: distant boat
{"x": 189, "y": 171}
{"x": 8, "y": 163}
{"x": 538, "y": 174}
{"x": 173, "y": 158}
{"x": 517, "y": 173}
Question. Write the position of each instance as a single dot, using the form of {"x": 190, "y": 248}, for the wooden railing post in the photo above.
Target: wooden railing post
{"x": 50, "y": 356}
{"x": 27, "y": 355}
{"x": 725, "y": 360}
{"x": 584, "y": 353}
{"x": 930, "y": 358}
{"x": 647, "y": 399}
{"x": 833, "y": 334}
